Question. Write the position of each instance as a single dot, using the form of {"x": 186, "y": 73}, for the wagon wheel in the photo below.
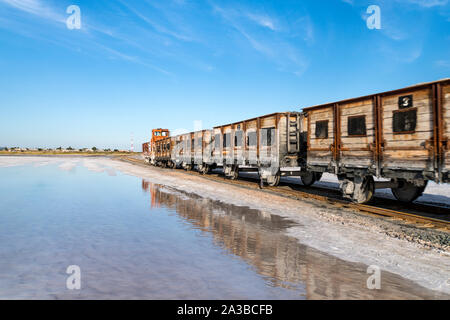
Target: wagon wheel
{"x": 234, "y": 174}
{"x": 407, "y": 191}
{"x": 364, "y": 191}
{"x": 203, "y": 169}
{"x": 309, "y": 178}
{"x": 275, "y": 181}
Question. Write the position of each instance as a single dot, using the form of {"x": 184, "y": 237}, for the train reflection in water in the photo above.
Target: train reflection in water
{"x": 258, "y": 238}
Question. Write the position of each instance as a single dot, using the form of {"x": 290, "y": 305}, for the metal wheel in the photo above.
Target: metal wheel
{"x": 203, "y": 169}
{"x": 274, "y": 181}
{"x": 234, "y": 174}
{"x": 407, "y": 191}
{"x": 364, "y": 190}
{"x": 309, "y": 178}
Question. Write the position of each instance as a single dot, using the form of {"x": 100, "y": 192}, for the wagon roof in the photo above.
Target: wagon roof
{"x": 192, "y": 132}
{"x": 265, "y": 116}
{"x": 416, "y": 86}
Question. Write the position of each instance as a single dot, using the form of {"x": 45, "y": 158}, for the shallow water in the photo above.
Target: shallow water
{"x": 136, "y": 240}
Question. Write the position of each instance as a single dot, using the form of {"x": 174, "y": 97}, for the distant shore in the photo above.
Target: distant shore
{"x": 70, "y": 153}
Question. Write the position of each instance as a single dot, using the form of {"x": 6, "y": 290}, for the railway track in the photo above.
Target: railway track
{"x": 413, "y": 214}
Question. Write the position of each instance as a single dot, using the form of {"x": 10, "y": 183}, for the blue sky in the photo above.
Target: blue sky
{"x": 136, "y": 65}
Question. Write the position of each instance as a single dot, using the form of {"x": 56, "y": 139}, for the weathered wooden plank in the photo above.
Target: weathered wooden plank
{"x": 321, "y": 112}
{"x": 417, "y": 95}
{"x": 421, "y": 136}
{"x": 251, "y": 124}
{"x": 358, "y": 103}
{"x": 364, "y": 109}
{"x": 268, "y": 122}
{"x": 344, "y": 132}
{"x": 320, "y": 143}
{"x": 406, "y": 154}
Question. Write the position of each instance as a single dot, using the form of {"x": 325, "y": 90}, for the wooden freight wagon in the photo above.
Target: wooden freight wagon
{"x": 177, "y": 151}
{"x": 203, "y": 146}
{"x": 442, "y": 143}
{"x": 146, "y": 151}
{"x": 163, "y": 152}
{"x": 186, "y": 154}
{"x": 398, "y": 135}
{"x": 272, "y": 144}
{"x": 217, "y": 148}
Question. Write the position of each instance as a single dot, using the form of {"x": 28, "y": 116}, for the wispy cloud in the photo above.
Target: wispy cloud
{"x": 421, "y": 3}
{"x": 133, "y": 59}
{"x": 443, "y": 64}
{"x": 94, "y": 41}
{"x": 158, "y": 27}
{"x": 262, "y": 20}
{"x": 401, "y": 54}
{"x": 275, "y": 46}
{"x": 230, "y": 16}
{"x": 36, "y": 8}
{"x": 426, "y": 3}
{"x": 303, "y": 28}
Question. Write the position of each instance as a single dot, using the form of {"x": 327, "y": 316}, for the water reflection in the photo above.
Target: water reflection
{"x": 258, "y": 238}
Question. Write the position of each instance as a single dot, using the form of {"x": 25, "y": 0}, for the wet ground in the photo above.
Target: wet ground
{"x": 136, "y": 239}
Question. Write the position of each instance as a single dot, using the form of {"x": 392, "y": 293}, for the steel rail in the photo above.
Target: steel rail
{"x": 287, "y": 191}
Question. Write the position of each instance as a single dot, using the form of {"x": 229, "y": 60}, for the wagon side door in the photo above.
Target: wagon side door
{"x": 251, "y": 142}
{"x": 207, "y": 147}
{"x": 321, "y": 137}
{"x": 443, "y": 95}
{"x": 268, "y": 140}
{"x": 217, "y": 146}
{"x": 408, "y": 129}
{"x": 227, "y": 144}
{"x": 357, "y": 135}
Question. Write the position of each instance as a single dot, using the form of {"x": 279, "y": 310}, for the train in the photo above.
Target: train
{"x": 396, "y": 139}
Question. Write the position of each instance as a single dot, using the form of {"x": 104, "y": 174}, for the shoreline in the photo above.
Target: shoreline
{"x": 83, "y": 154}
{"x": 349, "y": 236}
{"x": 334, "y": 231}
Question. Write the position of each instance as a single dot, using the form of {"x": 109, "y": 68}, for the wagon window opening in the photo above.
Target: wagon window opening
{"x": 164, "y": 134}
{"x": 226, "y": 140}
{"x": 238, "y": 139}
{"x": 157, "y": 134}
{"x": 217, "y": 141}
{"x": 322, "y": 129}
{"x": 356, "y": 126}
{"x": 404, "y": 121}
{"x": 267, "y": 135}
{"x": 251, "y": 139}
